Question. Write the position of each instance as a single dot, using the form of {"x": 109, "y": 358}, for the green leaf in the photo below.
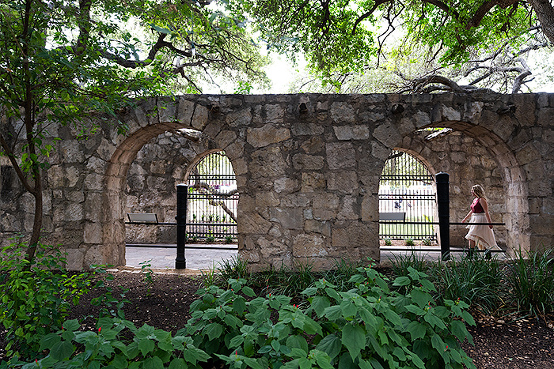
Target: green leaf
{"x": 416, "y": 330}
{"x": 248, "y": 291}
{"x": 402, "y": 281}
{"x": 178, "y": 363}
{"x": 322, "y": 359}
{"x": 319, "y": 304}
{"x": 71, "y": 325}
{"x": 330, "y": 344}
{"x": 214, "y": 330}
{"x": 459, "y": 330}
{"x": 438, "y": 344}
{"x": 353, "y": 338}
{"x": 239, "y": 305}
{"x": 153, "y": 363}
{"x": 310, "y": 291}
{"x": 421, "y": 298}
{"x": 414, "y": 309}
{"x": 434, "y": 321}
{"x": 468, "y": 318}
{"x": 48, "y": 341}
{"x": 146, "y": 346}
{"x": 61, "y": 350}
{"x": 333, "y": 312}
{"x": 299, "y": 342}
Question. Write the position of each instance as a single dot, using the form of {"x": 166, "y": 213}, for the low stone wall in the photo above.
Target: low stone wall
{"x": 307, "y": 169}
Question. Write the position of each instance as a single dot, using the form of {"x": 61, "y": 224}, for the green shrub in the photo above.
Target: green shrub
{"x": 476, "y": 281}
{"x": 388, "y": 242}
{"x": 367, "y": 326}
{"x": 116, "y": 343}
{"x": 531, "y": 280}
{"x": 409, "y": 242}
{"x": 36, "y": 297}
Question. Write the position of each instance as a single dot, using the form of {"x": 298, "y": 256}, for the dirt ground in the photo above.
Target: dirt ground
{"x": 163, "y": 303}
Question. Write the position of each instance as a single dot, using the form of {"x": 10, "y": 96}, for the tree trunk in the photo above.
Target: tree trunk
{"x": 545, "y": 13}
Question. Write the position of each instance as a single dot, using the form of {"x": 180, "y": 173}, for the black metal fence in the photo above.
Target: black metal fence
{"x": 407, "y": 199}
{"x": 212, "y": 200}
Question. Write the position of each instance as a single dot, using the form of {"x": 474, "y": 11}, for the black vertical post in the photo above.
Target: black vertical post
{"x": 443, "y": 204}
{"x": 182, "y": 192}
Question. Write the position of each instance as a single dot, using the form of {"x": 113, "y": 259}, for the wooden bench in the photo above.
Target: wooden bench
{"x": 143, "y": 218}
{"x": 396, "y": 215}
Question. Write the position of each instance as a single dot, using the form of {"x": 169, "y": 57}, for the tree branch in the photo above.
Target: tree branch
{"x": 368, "y": 13}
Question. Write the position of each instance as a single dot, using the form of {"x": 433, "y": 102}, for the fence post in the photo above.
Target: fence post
{"x": 443, "y": 205}
{"x": 182, "y": 192}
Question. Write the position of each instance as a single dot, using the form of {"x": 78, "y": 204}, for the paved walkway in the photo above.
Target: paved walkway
{"x": 204, "y": 259}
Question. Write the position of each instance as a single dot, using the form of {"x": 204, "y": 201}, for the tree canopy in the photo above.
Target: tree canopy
{"x": 339, "y": 37}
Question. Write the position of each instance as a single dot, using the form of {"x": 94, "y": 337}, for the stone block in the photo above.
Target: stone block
{"x": 387, "y": 134}
{"x": 239, "y": 118}
{"x": 349, "y": 209}
{"x": 340, "y": 155}
{"x": 307, "y": 162}
{"x": 342, "y": 112}
{"x": 347, "y": 133}
{"x": 75, "y": 259}
{"x": 93, "y": 233}
{"x": 285, "y": 185}
{"x": 225, "y": 138}
{"x": 308, "y": 246}
{"x": 318, "y": 226}
{"x": 313, "y": 145}
{"x": 298, "y": 200}
{"x": 545, "y": 117}
{"x": 370, "y": 208}
{"x": 73, "y": 212}
{"x": 288, "y": 218}
{"x": 253, "y": 223}
{"x": 274, "y": 113}
{"x": 200, "y": 117}
{"x": 267, "y": 199}
{"x": 343, "y": 181}
{"x": 354, "y": 234}
{"x": 266, "y": 135}
{"x": 185, "y": 110}
{"x": 313, "y": 182}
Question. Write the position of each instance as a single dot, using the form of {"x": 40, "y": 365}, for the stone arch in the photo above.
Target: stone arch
{"x": 115, "y": 179}
{"x": 112, "y": 248}
{"x": 514, "y": 209}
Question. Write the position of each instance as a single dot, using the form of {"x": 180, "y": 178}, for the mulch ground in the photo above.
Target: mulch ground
{"x": 163, "y": 303}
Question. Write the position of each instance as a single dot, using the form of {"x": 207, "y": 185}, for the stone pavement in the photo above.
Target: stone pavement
{"x": 163, "y": 258}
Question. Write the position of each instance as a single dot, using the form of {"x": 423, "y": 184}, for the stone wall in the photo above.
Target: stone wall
{"x": 307, "y": 169}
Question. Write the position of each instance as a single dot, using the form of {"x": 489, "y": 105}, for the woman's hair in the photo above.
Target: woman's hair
{"x": 478, "y": 191}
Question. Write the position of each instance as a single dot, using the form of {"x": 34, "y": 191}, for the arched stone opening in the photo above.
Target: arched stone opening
{"x": 115, "y": 180}
{"x": 160, "y": 165}
{"x": 473, "y": 154}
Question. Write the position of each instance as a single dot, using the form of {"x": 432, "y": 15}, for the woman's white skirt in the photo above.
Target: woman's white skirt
{"x": 481, "y": 234}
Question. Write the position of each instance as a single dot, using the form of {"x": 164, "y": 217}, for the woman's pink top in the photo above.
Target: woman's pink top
{"x": 476, "y": 206}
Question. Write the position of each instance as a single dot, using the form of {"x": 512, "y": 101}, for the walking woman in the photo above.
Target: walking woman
{"x": 480, "y": 235}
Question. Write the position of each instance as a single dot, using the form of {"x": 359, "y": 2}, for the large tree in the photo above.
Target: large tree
{"x": 61, "y": 59}
{"x": 344, "y": 36}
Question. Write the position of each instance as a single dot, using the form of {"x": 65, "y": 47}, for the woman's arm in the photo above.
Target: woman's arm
{"x": 485, "y": 207}
{"x": 467, "y": 216}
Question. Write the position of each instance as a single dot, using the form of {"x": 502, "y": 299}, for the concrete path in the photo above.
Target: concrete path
{"x": 204, "y": 259}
